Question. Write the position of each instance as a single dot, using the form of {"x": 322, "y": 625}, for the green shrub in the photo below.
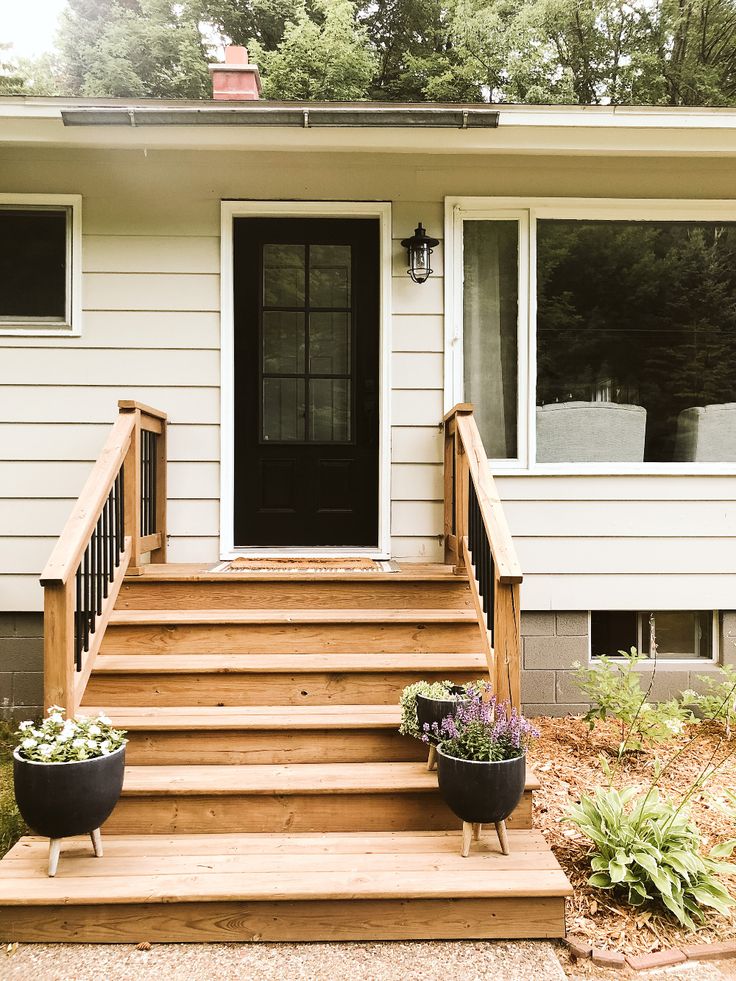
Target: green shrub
{"x": 614, "y": 689}
{"x": 11, "y": 823}
{"x": 649, "y": 849}
{"x": 718, "y": 701}
{"x": 408, "y": 702}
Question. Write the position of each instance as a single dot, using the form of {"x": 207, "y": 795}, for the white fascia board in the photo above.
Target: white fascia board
{"x": 521, "y": 130}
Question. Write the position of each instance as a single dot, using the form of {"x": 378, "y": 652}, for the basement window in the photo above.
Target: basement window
{"x": 39, "y": 264}
{"x": 680, "y": 634}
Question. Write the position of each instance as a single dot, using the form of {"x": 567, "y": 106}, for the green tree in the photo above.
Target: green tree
{"x": 331, "y": 60}
{"x": 12, "y": 81}
{"x": 133, "y": 48}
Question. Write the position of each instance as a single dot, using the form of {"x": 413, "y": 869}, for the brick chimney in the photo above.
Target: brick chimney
{"x": 236, "y": 80}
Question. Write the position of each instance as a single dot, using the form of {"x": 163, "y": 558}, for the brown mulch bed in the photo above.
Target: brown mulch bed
{"x": 565, "y": 759}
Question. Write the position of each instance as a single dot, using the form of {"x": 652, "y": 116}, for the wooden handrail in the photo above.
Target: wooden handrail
{"x": 119, "y": 517}
{"x": 478, "y": 542}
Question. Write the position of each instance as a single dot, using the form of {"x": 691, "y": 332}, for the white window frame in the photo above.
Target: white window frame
{"x": 229, "y": 210}
{"x": 72, "y": 324}
{"x": 672, "y": 662}
{"x": 527, "y": 211}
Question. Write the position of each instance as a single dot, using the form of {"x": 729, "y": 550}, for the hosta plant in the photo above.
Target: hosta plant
{"x": 614, "y": 690}
{"x": 718, "y": 700}
{"x": 60, "y": 740}
{"x": 648, "y": 848}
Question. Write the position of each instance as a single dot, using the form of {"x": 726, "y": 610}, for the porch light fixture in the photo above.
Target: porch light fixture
{"x": 419, "y": 249}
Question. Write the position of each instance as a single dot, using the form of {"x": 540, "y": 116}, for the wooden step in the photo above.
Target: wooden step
{"x": 276, "y": 591}
{"x": 304, "y": 797}
{"x": 268, "y": 679}
{"x": 265, "y": 734}
{"x": 283, "y": 887}
{"x": 291, "y": 631}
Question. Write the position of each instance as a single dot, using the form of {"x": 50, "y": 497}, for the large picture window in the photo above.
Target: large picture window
{"x": 628, "y": 312}
{"x": 636, "y": 341}
{"x": 39, "y": 263}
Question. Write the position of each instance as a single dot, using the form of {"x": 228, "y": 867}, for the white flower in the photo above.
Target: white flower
{"x": 105, "y": 744}
{"x": 29, "y": 743}
{"x": 94, "y": 730}
{"x": 104, "y": 720}
{"x": 105, "y": 750}
{"x": 78, "y": 743}
{"x": 25, "y": 725}
{"x": 92, "y": 744}
{"x": 674, "y": 725}
{"x": 45, "y": 750}
{"x": 63, "y": 737}
{"x": 57, "y": 719}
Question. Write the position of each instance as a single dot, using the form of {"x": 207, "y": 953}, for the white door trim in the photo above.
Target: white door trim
{"x": 297, "y": 209}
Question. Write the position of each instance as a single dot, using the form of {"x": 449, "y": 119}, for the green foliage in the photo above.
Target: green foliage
{"x": 408, "y": 702}
{"x": 718, "y": 701}
{"x": 138, "y": 48}
{"x": 326, "y": 61}
{"x": 649, "y": 849}
{"x": 12, "y": 81}
{"x": 59, "y": 740}
{"x": 614, "y": 688}
{"x": 11, "y": 823}
{"x": 673, "y": 52}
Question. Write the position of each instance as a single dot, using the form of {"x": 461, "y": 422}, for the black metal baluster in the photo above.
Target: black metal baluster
{"x": 154, "y": 455}
{"x": 78, "y": 613}
{"x": 85, "y": 598}
{"x": 105, "y": 544}
{"x": 121, "y": 494}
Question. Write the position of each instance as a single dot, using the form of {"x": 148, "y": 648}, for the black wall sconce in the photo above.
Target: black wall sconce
{"x": 419, "y": 248}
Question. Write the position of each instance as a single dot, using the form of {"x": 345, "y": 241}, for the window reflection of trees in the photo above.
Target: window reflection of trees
{"x": 637, "y": 312}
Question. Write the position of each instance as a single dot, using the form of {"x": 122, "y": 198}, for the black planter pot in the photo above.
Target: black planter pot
{"x": 58, "y": 800}
{"x": 481, "y": 793}
{"x": 430, "y": 710}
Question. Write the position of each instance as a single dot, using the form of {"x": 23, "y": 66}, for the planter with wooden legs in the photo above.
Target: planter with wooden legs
{"x": 432, "y": 711}
{"x": 63, "y": 799}
{"x": 481, "y": 792}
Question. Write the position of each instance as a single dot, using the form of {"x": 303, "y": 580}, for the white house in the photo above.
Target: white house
{"x": 605, "y": 400}
{"x": 295, "y": 512}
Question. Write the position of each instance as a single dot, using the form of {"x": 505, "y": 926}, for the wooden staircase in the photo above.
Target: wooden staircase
{"x": 268, "y": 794}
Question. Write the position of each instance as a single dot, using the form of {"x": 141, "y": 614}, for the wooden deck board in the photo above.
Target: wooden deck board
{"x": 309, "y": 873}
{"x": 287, "y": 663}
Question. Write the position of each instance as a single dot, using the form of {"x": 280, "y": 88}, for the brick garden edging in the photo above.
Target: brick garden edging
{"x": 643, "y": 962}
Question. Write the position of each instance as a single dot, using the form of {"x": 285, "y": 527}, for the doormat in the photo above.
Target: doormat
{"x": 287, "y": 564}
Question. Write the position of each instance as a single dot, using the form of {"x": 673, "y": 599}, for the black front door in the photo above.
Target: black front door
{"x": 306, "y": 381}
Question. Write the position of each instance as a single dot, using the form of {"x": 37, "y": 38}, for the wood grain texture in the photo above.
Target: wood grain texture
{"x": 290, "y": 813}
{"x": 326, "y": 920}
{"x": 148, "y": 593}
{"x": 233, "y": 688}
{"x": 417, "y": 636}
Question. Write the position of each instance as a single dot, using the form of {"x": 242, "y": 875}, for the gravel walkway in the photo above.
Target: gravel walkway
{"x": 417, "y": 961}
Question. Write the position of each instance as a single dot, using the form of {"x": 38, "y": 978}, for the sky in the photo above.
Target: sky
{"x": 29, "y": 25}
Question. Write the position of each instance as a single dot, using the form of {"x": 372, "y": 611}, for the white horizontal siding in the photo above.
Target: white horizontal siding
{"x": 151, "y": 254}
{"x": 80, "y": 366}
{"x": 99, "y": 403}
{"x": 135, "y": 329}
{"x": 56, "y": 479}
{"x": 151, "y": 332}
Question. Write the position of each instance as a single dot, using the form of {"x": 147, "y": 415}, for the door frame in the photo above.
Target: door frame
{"x": 229, "y": 210}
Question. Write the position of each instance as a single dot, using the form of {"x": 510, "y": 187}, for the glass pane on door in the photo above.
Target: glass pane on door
{"x": 283, "y": 409}
{"x": 329, "y": 410}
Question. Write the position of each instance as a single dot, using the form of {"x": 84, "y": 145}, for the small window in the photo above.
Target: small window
{"x": 37, "y": 264}
{"x": 679, "y": 634}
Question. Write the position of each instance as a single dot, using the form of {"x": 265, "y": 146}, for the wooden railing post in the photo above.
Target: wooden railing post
{"x": 456, "y": 489}
{"x": 507, "y": 643}
{"x": 159, "y": 554}
{"x": 58, "y": 645}
{"x": 132, "y": 478}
